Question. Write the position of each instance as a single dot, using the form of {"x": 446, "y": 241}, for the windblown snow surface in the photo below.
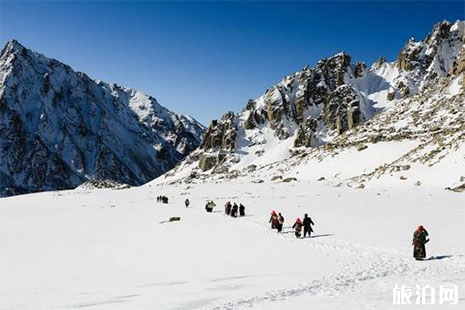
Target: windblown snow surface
{"x": 116, "y": 249}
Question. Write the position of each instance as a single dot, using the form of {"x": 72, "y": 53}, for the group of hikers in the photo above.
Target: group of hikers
{"x": 230, "y": 209}
{"x": 162, "y": 199}
{"x": 234, "y": 209}
{"x": 277, "y": 222}
{"x": 306, "y": 224}
{"x": 420, "y": 235}
{"x": 209, "y": 206}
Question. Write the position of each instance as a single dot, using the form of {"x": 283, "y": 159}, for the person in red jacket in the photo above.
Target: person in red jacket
{"x": 298, "y": 227}
{"x": 273, "y": 220}
{"x": 419, "y": 240}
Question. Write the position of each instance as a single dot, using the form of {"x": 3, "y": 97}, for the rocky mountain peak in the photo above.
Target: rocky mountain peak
{"x": 440, "y": 31}
{"x": 434, "y": 56}
{"x": 13, "y": 47}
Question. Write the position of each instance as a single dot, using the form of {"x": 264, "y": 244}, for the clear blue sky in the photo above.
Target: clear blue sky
{"x": 205, "y": 58}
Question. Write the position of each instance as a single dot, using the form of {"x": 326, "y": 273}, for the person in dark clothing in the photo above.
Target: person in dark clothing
{"x": 280, "y": 224}
{"x": 234, "y": 210}
{"x": 419, "y": 240}
{"x": 187, "y": 202}
{"x": 307, "y": 222}
{"x": 227, "y": 208}
{"x": 241, "y": 209}
{"x": 273, "y": 220}
{"x": 298, "y": 227}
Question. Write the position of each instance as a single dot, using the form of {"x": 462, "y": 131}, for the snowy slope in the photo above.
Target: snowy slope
{"x": 113, "y": 249}
{"x": 59, "y": 128}
{"x": 418, "y": 142}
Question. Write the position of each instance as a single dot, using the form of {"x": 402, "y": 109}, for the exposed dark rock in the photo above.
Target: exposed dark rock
{"x": 391, "y": 94}
{"x": 207, "y": 162}
{"x": 220, "y": 135}
{"x": 290, "y": 179}
{"x": 359, "y": 69}
{"x": 276, "y": 177}
{"x": 342, "y": 112}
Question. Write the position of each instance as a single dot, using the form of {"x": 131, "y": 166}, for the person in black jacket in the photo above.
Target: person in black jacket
{"x": 241, "y": 210}
{"x": 280, "y": 224}
{"x": 227, "y": 208}
{"x": 234, "y": 210}
{"x": 307, "y": 222}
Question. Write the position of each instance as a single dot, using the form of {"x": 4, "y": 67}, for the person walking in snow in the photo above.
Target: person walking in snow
{"x": 241, "y": 209}
{"x": 280, "y": 222}
{"x": 234, "y": 210}
{"x": 227, "y": 208}
{"x": 419, "y": 240}
{"x": 298, "y": 227}
{"x": 307, "y": 222}
{"x": 187, "y": 202}
{"x": 273, "y": 220}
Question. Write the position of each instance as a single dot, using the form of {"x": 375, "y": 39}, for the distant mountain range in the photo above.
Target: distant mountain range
{"x": 340, "y": 120}
{"x": 59, "y": 128}
{"x": 340, "y": 105}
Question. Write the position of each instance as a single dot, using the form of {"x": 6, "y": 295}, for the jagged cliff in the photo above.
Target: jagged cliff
{"x": 59, "y": 128}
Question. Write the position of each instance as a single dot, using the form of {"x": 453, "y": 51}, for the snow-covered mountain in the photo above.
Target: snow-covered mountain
{"x": 59, "y": 128}
{"x": 314, "y": 109}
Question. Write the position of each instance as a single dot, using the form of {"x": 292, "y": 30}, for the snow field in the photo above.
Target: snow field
{"x": 107, "y": 249}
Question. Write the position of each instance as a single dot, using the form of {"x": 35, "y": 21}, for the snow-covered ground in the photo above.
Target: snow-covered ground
{"x": 114, "y": 249}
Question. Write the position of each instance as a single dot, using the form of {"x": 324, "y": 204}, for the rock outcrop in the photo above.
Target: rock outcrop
{"x": 303, "y": 101}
